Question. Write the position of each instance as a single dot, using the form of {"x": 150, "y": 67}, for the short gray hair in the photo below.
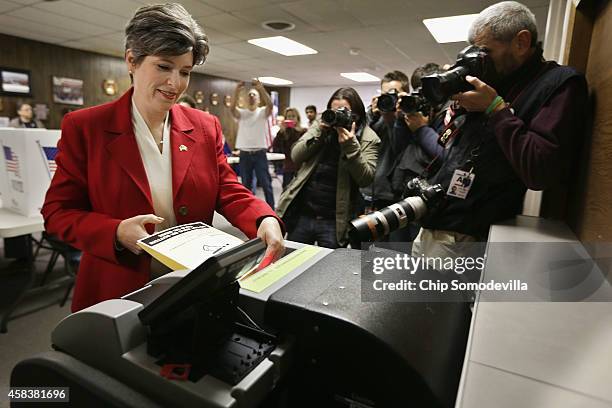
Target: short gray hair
{"x": 504, "y": 20}
{"x": 165, "y": 29}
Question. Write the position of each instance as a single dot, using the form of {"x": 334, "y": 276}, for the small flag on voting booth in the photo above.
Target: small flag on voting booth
{"x": 12, "y": 161}
{"x": 48, "y": 154}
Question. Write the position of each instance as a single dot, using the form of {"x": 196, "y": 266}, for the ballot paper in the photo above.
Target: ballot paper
{"x": 186, "y": 246}
{"x": 260, "y": 279}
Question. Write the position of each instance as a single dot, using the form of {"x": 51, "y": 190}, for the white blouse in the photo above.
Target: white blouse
{"x": 158, "y": 166}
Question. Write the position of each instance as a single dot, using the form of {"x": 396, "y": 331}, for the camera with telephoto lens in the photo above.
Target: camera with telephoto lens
{"x": 415, "y": 102}
{"x": 421, "y": 198}
{"x": 342, "y": 117}
{"x": 472, "y": 61}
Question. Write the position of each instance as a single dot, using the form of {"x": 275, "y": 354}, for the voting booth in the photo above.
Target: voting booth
{"x": 27, "y": 164}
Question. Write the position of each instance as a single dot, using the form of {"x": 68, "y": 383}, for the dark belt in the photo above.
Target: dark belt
{"x": 252, "y": 151}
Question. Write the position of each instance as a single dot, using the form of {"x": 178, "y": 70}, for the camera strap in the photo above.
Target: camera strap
{"x": 447, "y": 134}
{"x": 451, "y": 130}
{"x": 463, "y": 177}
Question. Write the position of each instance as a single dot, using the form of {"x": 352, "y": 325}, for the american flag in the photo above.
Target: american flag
{"x": 50, "y": 153}
{"x": 12, "y": 161}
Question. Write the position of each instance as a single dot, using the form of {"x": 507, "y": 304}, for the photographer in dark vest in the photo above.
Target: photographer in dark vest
{"x": 517, "y": 129}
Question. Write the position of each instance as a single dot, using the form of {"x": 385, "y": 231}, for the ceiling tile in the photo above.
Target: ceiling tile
{"x": 199, "y": 9}
{"x": 46, "y": 19}
{"x": 25, "y": 2}
{"x": 40, "y": 30}
{"x": 6, "y": 5}
{"x": 217, "y": 37}
{"x": 325, "y": 15}
{"x": 79, "y": 13}
{"x": 259, "y": 15}
{"x": 29, "y": 34}
{"x": 117, "y": 38}
{"x": 237, "y": 5}
{"x": 220, "y": 52}
{"x": 234, "y": 26}
{"x": 123, "y": 8}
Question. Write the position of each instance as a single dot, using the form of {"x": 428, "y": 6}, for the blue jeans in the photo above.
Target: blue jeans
{"x": 309, "y": 229}
{"x": 256, "y": 160}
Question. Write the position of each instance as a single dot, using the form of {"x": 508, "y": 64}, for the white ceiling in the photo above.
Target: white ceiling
{"x": 389, "y": 33}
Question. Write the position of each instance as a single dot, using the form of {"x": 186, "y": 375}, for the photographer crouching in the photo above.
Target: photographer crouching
{"x": 520, "y": 124}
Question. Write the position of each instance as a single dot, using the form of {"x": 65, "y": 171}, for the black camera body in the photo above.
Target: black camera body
{"x": 473, "y": 61}
{"x": 415, "y": 102}
{"x": 386, "y": 102}
{"x": 342, "y": 117}
{"x": 420, "y": 199}
{"x": 431, "y": 194}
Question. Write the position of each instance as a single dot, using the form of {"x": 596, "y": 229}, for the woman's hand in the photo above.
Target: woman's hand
{"x": 132, "y": 229}
{"x": 345, "y": 135}
{"x": 270, "y": 232}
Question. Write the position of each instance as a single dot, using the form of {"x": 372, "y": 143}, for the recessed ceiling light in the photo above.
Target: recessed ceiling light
{"x": 360, "y": 76}
{"x": 274, "y": 81}
{"x": 278, "y": 25}
{"x": 282, "y": 45}
{"x": 450, "y": 29}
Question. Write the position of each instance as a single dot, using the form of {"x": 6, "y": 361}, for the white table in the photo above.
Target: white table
{"x": 14, "y": 225}
{"x": 270, "y": 156}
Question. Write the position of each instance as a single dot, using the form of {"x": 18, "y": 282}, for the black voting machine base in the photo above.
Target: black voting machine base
{"x": 196, "y": 322}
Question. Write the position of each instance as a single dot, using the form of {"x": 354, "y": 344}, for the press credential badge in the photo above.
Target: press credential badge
{"x": 460, "y": 184}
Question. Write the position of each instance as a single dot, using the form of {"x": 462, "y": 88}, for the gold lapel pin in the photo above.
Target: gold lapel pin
{"x": 182, "y": 148}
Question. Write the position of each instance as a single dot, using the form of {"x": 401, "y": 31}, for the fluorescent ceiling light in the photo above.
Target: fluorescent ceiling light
{"x": 360, "y": 76}
{"x": 450, "y": 29}
{"x": 282, "y": 45}
{"x": 274, "y": 81}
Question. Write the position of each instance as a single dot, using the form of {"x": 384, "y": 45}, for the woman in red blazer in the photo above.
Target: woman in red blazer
{"x": 100, "y": 199}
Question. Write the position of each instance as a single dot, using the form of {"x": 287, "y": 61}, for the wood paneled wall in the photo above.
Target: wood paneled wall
{"x": 591, "y": 212}
{"x": 47, "y": 60}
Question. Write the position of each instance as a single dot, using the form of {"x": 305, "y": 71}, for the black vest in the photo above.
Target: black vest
{"x": 497, "y": 192}
{"x": 318, "y": 196}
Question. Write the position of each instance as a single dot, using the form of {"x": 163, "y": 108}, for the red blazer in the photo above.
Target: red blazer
{"x": 101, "y": 180}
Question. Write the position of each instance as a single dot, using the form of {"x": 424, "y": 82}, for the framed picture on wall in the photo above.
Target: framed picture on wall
{"x": 15, "y": 82}
{"x": 68, "y": 91}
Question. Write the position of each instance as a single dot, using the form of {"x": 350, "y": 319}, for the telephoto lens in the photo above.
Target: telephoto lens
{"x": 341, "y": 117}
{"x": 472, "y": 60}
{"x": 374, "y": 226}
{"x": 387, "y": 101}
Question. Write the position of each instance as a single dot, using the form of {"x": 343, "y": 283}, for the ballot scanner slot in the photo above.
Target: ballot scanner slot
{"x": 197, "y": 326}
